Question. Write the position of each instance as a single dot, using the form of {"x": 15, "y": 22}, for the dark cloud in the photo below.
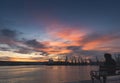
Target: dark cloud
{"x": 44, "y": 53}
{"x": 24, "y": 47}
{"x": 5, "y": 58}
{"x": 4, "y": 49}
{"x": 32, "y": 46}
{"x": 8, "y": 33}
{"x": 27, "y": 50}
{"x": 74, "y": 48}
{"x": 78, "y": 51}
{"x": 34, "y": 43}
{"x": 9, "y": 37}
{"x": 23, "y": 50}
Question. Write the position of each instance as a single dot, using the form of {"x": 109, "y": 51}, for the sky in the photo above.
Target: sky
{"x": 37, "y": 30}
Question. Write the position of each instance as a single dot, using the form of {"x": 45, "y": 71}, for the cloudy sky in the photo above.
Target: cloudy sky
{"x": 36, "y": 30}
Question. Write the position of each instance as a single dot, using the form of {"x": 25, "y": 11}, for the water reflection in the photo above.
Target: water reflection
{"x": 44, "y": 74}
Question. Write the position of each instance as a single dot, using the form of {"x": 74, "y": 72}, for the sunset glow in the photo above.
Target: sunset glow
{"x": 32, "y": 32}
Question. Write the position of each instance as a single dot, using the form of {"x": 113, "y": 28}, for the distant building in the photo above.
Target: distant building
{"x": 50, "y": 61}
{"x": 66, "y": 59}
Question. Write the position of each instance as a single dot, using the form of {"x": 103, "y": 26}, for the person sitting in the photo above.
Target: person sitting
{"x": 109, "y": 63}
{"x": 109, "y": 66}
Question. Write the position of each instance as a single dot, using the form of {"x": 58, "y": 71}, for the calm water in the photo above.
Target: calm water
{"x": 44, "y": 74}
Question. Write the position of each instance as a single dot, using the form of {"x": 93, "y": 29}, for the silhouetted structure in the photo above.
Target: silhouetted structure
{"x": 50, "y": 61}
{"x": 71, "y": 61}
{"x": 66, "y": 59}
{"x": 117, "y": 58}
{"x": 97, "y": 61}
{"x": 79, "y": 60}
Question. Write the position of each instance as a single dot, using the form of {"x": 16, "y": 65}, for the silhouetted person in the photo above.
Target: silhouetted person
{"x": 109, "y": 65}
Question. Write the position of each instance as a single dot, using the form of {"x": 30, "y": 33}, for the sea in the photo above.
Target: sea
{"x": 45, "y": 74}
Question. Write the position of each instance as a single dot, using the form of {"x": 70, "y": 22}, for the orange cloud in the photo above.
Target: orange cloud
{"x": 91, "y": 45}
{"x": 98, "y": 42}
{"x": 67, "y": 33}
{"x": 26, "y": 59}
{"x": 61, "y": 37}
{"x": 56, "y": 50}
{"x": 63, "y": 44}
{"x": 21, "y": 59}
